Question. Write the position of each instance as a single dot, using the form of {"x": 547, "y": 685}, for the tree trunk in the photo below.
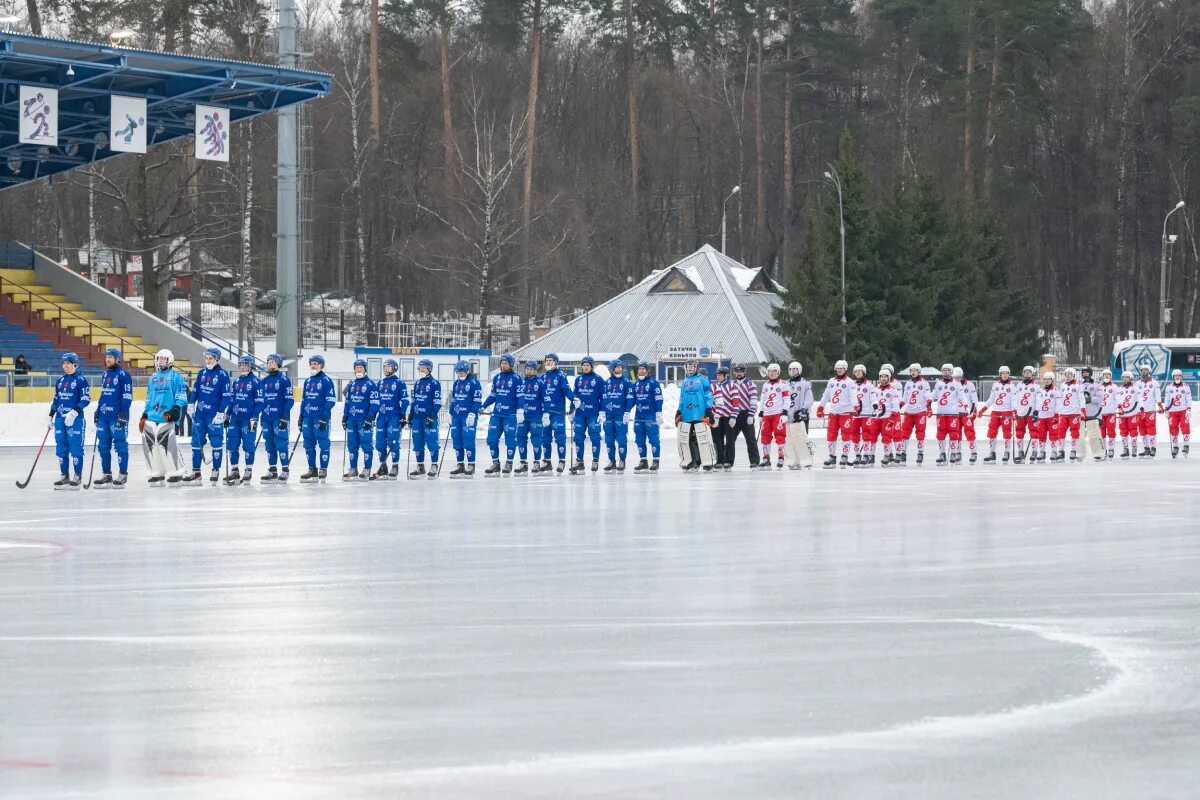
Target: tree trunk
{"x": 154, "y": 297}
{"x": 535, "y": 58}
{"x": 35, "y": 17}
{"x": 631, "y": 254}
{"x": 1126, "y": 312}
{"x": 760, "y": 154}
{"x": 968, "y": 109}
{"x": 245, "y": 281}
{"x": 374, "y": 73}
{"x": 788, "y": 189}
{"x": 196, "y": 267}
{"x": 989, "y": 133}
{"x": 447, "y": 117}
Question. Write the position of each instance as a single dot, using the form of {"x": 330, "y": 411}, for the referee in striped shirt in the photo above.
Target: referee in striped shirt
{"x": 735, "y": 401}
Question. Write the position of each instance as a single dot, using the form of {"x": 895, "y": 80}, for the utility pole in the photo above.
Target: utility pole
{"x": 1163, "y": 312}
{"x": 287, "y": 202}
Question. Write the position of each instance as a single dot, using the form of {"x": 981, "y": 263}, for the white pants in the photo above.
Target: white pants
{"x": 161, "y": 450}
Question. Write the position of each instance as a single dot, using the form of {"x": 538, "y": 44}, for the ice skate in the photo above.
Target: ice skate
{"x": 990, "y": 458}
{"x": 537, "y": 467}
{"x": 920, "y": 457}
{"x": 764, "y": 464}
{"x": 174, "y": 481}
{"x": 621, "y": 465}
{"x": 493, "y": 470}
{"x": 845, "y": 462}
{"x": 433, "y": 470}
{"x": 351, "y": 475}
{"x": 654, "y": 465}
{"x": 247, "y": 476}
{"x": 688, "y": 467}
{"x": 365, "y": 475}
{"x": 63, "y": 482}
{"x": 830, "y": 463}
{"x": 459, "y": 470}
{"x": 382, "y": 473}
{"x": 942, "y": 460}
{"x": 394, "y": 472}
{"x": 156, "y": 481}
{"x": 103, "y": 482}
{"x": 975, "y": 456}
{"x": 322, "y": 474}
{"x": 642, "y": 466}
{"x": 470, "y": 470}
{"x": 547, "y": 466}
{"x": 234, "y": 476}
{"x": 1154, "y": 452}
{"x": 283, "y": 475}
{"x": 708, "y": 467}
{"x": 522, "y": 470}
{"x": 271, "y": 476}
{"x": 120, "y": 481}
{"x": 193, "y": 477}
{"x": 595, "y": 465}
{"x": 1006, "y": 456}
{"x": 1174, "y": 451}
{"x": 902, "y": 459}
{"x": 507, "y": 468}
{"x": 610, "y": 467}
{"x": 1185, "y": 451}
{"x": 779, "y": 464}
{"x": 576, "y": 468}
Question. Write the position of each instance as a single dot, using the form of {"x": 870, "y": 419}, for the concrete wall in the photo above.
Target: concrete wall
{"x": 107, "y": 305}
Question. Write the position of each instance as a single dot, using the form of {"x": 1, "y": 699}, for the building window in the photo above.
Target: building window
{"x": 674, "y": 282}
{"x": 674, "y": 373}
{"x": 760, "y": 283}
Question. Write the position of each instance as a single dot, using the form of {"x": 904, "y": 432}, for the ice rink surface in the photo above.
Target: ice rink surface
{"x": 1021, "y": 632}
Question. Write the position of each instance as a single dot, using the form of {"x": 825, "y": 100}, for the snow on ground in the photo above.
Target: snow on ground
{"x": 942, "y": 634}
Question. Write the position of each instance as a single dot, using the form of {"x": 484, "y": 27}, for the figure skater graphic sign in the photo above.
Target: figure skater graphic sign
{"x": 38, "y": 116}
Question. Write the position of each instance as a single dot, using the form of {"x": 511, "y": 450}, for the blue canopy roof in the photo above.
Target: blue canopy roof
{"x": 171, "y": 83}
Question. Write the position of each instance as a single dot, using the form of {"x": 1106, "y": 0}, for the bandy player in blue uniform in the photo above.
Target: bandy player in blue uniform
{"x": 529, "y": 418}
{"x": 241, "y": 432}
{"x": 614, "y": 416}
{"x": 359, "y": 410}
{"x": 393, "y": 416}
{"x": 589, "y": 400}
{"x": 647, "y": 417}
{"x": 557, "y": 404}
{"x": 277, "y": 402}
{"x": 112, "y": 420}
{"x": 208, "y": 407}
{"x": 71, "y": 397}
{"x": 423, "y": 418}
{"x": 504, "y": 401}
{"x": 466, "y": 395}
{"x": 316, "y": 405}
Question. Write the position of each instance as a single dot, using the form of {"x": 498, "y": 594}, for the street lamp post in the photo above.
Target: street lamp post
{"x": 724, "y": 205}
{"x": 833, "y": 176}
{"x": 1162, "y": 276}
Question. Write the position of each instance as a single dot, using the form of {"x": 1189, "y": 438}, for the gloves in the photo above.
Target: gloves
{"x": 1161, "y": 410}
{"x": 520, "y": 417}
{"x": 70, "y": 417}
{"x": 820, "y": 412}
{"x": 760, "y": 415}
{"x": 322, "y": 424}
{"x": 625, "y": 418}
{"x": 367, "y": 423}
{"x": 470, "y": 420}
{"x": 710, "y": 417}
{"x": 403, "y": 422}
{"x": 804, "y": 416}
{"x": 430, "y": 422}
{"x": 253, "y": 424}
{"x": 142, "y": 424}
{"x": 191, "y": 409}
{"x": 795, "y": 416}
{"x": 345, "y": 423}
{"x": 575, "y": 402}
{"x": 50, "y": 424}
{"x": 733, "y": 422}
{"x": 220, "y": 418}
{"x": 171, "y": 414}
{"x": 545, "y": 420}
{"x": 600, "y": 418}
{"x": 282, "y": 425}
{"x": 96, "y": 417}
{"x": 678, "y": 418}
{"x": 122, "y": 421}
{"x": 658, "y": 418}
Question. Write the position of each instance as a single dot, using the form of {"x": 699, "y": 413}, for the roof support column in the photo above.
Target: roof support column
{"x": 287, "y": 244}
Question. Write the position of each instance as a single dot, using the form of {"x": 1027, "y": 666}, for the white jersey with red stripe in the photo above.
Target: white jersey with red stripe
{"x": 1025, "y": 399}
{"x": 839, "y": 396}
{"x": 946, "y": 397}
{"x": 1003, "y": 396}
{"x": 1126, "y": 397}
{"x": 1177, "y": 396}
{"x": 1045, "y": 401}
{"x": 915, "y": 396}
{"x": 1148, "y": 396}
{"x": 774, "y": 398}
{"x": 1070, "y": 398}
{"x": 1108, "y": 398}
{"x": 866, "y": 395}
{"x": 968, "y": 397}
{"x": 890, "y": 398}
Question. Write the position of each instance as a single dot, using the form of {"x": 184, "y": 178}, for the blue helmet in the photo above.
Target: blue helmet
{"x": 586, "y": 360}
{"x": 358, "y": 362}
{"x": 278, "y": 359}
{"x": 616, "y": 362}
{"x": 507, "y": 358}
{"x": 247, "y": 359}
{"x": 70, "y": 358}
{"x": 462, "y": 366}
{"x": 644, "y": 364}
{"x": 531, "y": 364}
{"x": 114, "y": 352}
{"x": 318, "y": 359}
{"x": 425, "y": 362}
{"x": 393, "y": 363}
{"x": 551, "y": 357}
{"x": 212, "y": 351}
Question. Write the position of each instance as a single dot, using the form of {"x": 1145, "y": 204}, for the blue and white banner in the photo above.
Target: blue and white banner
{"x": 127, "y": 125}
{"x": 38, "y": 116}
{"x": 212, "y": 133}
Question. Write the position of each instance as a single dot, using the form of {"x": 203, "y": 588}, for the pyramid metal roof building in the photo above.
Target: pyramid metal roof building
{"x": 705, "y": 300}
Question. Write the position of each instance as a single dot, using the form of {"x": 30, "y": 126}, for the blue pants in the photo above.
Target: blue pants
{"x": 357, "y": 439}
{"x": 203, "y": 430}
{"x": 644, "y": 429}
{"x": 529, "y": 434}
{"x": 555, "y": 433}
{"x": 587, "y": 422}
{"x": 509, "y": 427}
{"x": 425, "y": 439}
{"x": 68, "y": 444}
{"x": 276, "y": 442}
{"x": 314, "y": 437}
{"x": 616, "y": 437}
{"x": 387, "y": 438}
{"x": 462, "y": 436}
{"x": 110, "y": 437}
{"x": 238, "y": 436}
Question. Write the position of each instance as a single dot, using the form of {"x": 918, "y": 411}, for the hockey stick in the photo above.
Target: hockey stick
{"x": 92, "y": 465}
{"x": 295, "y": 444}
{"x": 407, "y": 458}
{"x": 29, "y": 477}
{"x": 345, "y": 450}
{"x": 442, "y": 449}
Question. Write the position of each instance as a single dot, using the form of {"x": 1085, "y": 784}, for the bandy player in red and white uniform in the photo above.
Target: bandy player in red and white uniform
{"x": 1045, "y": 406}
{"x": 1128, "y": 414}
{"x": 914, "y": 408}
{"x": 968, "y": 401}
{"x": 837, "y": 403}
{"x": 947, "y": 409}
{"x": 1026, "y": 416}
{"x": 1149, "y": 401}
{"x": 1001, "y": 401}
{"x": 1177, "y": 398}
{"x": 774, "y": 400}
{"x": 1108, "y": 412}
{"x": 866, "y": 396}
{"x": 889, "y": 416}
{"x": 1070, "y": 409}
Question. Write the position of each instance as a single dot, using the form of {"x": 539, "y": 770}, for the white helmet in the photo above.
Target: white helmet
{"x": 947, "y": 367}
{"x": 1106, "y": 371}
{"x": 915, "y": 366}
{"x": 164, "y": 359}
{"x": 957, "y": 373}
{"x": 1048, "y": 376}
{"x": 1145, "y": 367}
{"x": 860, "y": 368}
{"x": 1069, "y": 372}
{"x": 1176, "y": 373}
{"x": 1005, "y": 371}
{"x": 795, "y": 365}
{"x": 885, "y": 370}
{"x": 772, "y": 367}
{"x": 841, "y": 364}
{"x": 1127, "y": 374}
{"x": 1028, "y": 370}
{"x": 889, "y": 368}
